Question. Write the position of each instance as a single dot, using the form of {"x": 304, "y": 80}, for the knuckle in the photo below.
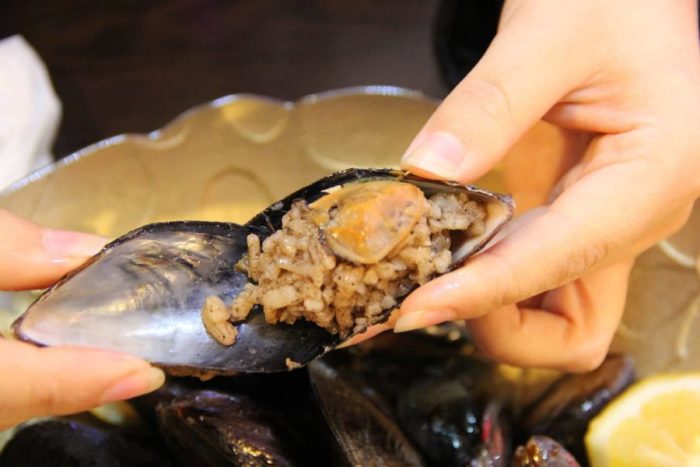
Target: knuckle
{"x": 494, "y": 350}
{"x": 583, "y": 259}
{"x": 585, "y": 361}
{"x": 46, "y": 397}
{"x": 589, "y": 351}
{"x": 491, "y": 98}
{"x": 505, "y": 287}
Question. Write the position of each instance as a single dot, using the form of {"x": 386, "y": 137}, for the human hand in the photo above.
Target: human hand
{"x": 58, "y": 380}
{"x": 621, "y": 81}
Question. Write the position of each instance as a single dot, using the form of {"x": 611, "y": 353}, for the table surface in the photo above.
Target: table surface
{"x": 131, "y": 66}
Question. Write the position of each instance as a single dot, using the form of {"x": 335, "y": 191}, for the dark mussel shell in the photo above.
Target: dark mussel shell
{"x": 65, "y": 443}
{"x": 216, "y": 428}
{"x": 541, "y": 451}
{"x": 564, "y": 411}
{"x": 363, "y": 432}
{"x": 453, "y": 425}
{"x": 143, "y": 295}
{"x": 144, "y": 292}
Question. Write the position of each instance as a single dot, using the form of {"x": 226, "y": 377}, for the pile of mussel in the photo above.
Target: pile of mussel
{"x": 399, "y": 400}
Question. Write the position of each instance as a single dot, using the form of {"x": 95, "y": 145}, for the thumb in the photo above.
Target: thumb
{"x": 32, "y": 256}
{"x": 516, "y": 82}
{"x": 64, "y": 380}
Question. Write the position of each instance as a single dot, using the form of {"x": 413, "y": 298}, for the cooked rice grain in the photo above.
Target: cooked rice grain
{"x": 299, "y": 277}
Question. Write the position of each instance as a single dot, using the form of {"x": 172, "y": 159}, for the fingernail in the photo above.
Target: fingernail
{"x": 421, "y": 319}
{"x": 134, "y": 385}
{"x": 347, "y": 343}
{"x": 64, "y": 243}
{"x": 440, "y": 154}
{"x": 370, "y": 333}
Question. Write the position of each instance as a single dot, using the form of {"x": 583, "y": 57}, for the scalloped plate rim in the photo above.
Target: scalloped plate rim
{"x": 369, "y": 90}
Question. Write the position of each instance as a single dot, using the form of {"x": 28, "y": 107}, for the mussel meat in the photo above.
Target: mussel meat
{"x": 541, "y": 451}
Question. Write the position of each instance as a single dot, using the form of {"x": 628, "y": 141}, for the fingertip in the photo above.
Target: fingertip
{"x": 439, "y": 154}
{"x": 423, "y": 319}
{"x": 137, "y": 384}
{"x": 64, "y": 244}
{"x": 435, "y": 294}
{"x": 371, "y": 332}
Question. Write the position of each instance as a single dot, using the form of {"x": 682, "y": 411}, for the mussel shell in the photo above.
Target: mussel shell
{"x": 216, "y": 428}
{"x": 365, "y": 434}
{"x": 143, "y": 295}
{"x": 454, "y": 426}
{"x": 144, "y": 292}
{"x": 65, "y": 443}
{"x": 564, "y": 411}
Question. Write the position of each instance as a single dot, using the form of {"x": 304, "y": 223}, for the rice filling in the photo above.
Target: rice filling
{"x": 297, "y": 275}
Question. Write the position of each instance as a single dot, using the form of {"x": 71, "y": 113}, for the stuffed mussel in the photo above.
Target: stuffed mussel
{"x": 305, "y": 274}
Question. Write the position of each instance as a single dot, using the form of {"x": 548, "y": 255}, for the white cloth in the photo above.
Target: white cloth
{"x": 29, "y": 111}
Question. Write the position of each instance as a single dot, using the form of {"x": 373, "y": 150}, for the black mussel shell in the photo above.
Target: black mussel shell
{"x": 363, "y": 432}
{"x": 215, "y": 428}
{"x": 454, "y": 426}
{"x": 64, "y": 443}
{"x": 564, "y": 411}
{"x": 143, "y": 295}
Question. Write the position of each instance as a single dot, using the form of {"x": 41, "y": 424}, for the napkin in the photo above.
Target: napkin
{"x": 29, "y": 111}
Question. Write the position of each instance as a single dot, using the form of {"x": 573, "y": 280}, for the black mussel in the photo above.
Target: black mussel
{"x": 453, "y": 425}
{"x": 391, "y": 363}
{"x": 145, "y": 293}
{"x": 541, "y": 451}
{"x": 564, "y": 411}
{"x": 64, "y": 443}
{"x": 364, "y": 434}
{"x": 216, "y": 428}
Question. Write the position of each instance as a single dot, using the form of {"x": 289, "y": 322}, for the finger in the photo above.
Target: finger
{"x": 571, "y": 331}
{"x": 504, "y": 95}
{"x": 32, "y": 256}
{"x": 371, "y": 332}
{"x": 603, "y": 214}
{"x": 64, "y": 380}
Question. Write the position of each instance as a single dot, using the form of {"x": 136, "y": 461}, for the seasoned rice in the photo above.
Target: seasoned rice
{"x": 297, "y": 275}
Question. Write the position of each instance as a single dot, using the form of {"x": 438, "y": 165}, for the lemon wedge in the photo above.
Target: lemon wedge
{"x": 655, "y": 423}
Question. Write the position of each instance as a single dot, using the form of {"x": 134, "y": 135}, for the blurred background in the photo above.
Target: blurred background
{"x": 131, "y": 66}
